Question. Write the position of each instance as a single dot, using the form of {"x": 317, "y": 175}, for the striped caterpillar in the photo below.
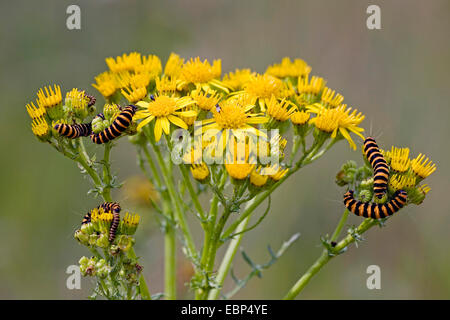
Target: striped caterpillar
{"x": 73, "y": 131}
{"x": 375, "y": 210}
{"x": 379, "y": 166}
{"x": 114, "y": 208}
{"x": 119, "y": 125}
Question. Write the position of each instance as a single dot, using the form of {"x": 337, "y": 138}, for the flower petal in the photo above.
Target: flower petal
{"x": 177, "y": 121}
{"x": 158, "y": 129}
{"x": 144, "y": 122}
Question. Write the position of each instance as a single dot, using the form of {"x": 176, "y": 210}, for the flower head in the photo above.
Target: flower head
{"x": 264, "y": 87}
{"x": 198, "y": 72}
{"x": 338, "y": 120}
{"x": 399, "y": 159}
{"x": 173, "y": 65}
{"x": 422, "y": 166}
{"x": 330, "y": 98}
{"x": 200, "y": 171}
{"x": 40, "y": 128}
{"x": 126, "y": 62}
{"x": 300, "y": 117}
{"x": 206, "y": 100}
{"x": 166, "y": 85}
{"x": 165, "y": 110}
{"x": 134, "y": 94}
{"x": 257, "y": 179}
{"x": 238, "y": 79}
{"x": 288, "y": 68}
{"x": 35, "y": 112}
{"x": 50, "y": 98}
{"x": 129, "y": 223}
{"x": 150, "y": 66}
{"x": 276, "y": 172}
{"x": 280, "y": 110}
{"x": 402, "y": 182}
{"x": 106, "y": 84}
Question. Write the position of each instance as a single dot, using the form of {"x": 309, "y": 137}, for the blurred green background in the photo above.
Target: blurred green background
{"x": 397, "y": 76}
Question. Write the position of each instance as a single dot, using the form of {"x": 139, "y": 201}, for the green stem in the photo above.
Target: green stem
{"x": 227, "y": 259}
{"x": 192, "y": 192}
{"x": 170, "y": 263}
{"x": 327, "y": 256}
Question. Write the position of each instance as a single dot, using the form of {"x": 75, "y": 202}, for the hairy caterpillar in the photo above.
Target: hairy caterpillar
{"x": 375, "y": 210}
{"x": 379, "y": 166}
{"x": 73, "y": 131}
{"x": 119, "y": 125}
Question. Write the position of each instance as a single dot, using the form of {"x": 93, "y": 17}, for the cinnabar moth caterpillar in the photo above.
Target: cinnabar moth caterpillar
{"x": 119, "y": 125}
{"x": 110, "y": 207}
{"x": 379, "y": 166}
{"x": 73, "y": 131}
{"x": 91, "y": 98}
{"x": 113, "y": 207}
{"x": 375, "y": 210}
{"x": 86, "y": 218}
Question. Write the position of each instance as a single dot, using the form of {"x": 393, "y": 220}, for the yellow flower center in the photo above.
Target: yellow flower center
{"x": 230, "y": 116}
{"x": 162, "y": 106}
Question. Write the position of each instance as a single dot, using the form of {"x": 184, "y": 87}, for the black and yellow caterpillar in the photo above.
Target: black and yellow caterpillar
{"x": 375, "y": 210}
{"x": 114, "y": 208}
{"x": 119, "y": 125}
{"x": 379, "y": 166}
{"x": 73, "y": 131}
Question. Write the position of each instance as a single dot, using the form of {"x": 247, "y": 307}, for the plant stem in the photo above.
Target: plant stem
{"x": 227, "y": 259}
{"x": 170, "y": 263}
{"x": 327, "y": 255}
{"x": 192, "y": 192}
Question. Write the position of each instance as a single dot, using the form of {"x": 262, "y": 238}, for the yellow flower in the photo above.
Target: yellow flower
{"x": 310, "y": 86}
{"x": 422, "y": 166}
{"x": 165, "y": 109}
{"x": 264, "y": 87}
{"x": 50, "y": 98}
{"x": 402, "y": 182}
{"x": 141, "y": 79}
{"x": 275, "y": 172}
{"x": 287, "y": 68}
{"x": 399, "y": 159}
{"x": 300, "y": 117}
{"x": 205, "y": 100}
{"x": 425, "y": 189}
{"x": 126, "y": 62}
{"x": 173, "y": 65}
{"x": 338, "y": 120}
{"x": 200, "y": 171}
{"x": 237, "y": 79}
{"x": 166, "y": 85}
{"x": 40, "y": 128}
{"x": 198, "y": 72}
{"x": 35, "y": 112}
{"x": 231, "y": 118}
{"x": 239, "y": 171}
{"x": 105, "y": 84}
{"x": 257, "y": 179}
{"x": 330, "y": 98}
{"x": 151, "y": 65}
{"x": 280, "y": 111}
{"x": 134, "y": 94}
{"x": 131, "y": 219}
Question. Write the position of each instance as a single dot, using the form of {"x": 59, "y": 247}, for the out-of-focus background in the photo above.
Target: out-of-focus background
{"x": 397, "y": 76}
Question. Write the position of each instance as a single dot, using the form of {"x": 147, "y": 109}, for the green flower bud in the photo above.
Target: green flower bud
{"x": 93, "y": 239}
{"x": 82, "y": 237}
{"x": 87, "y": 228}
{"x": 98, "y": 125}
{"x": 103, "y": 241}
{"x": 416, "y": 195}
{"x": 83, "y": 261}
{"x": 109, "y": 110}
{"x": 365, "y": 195}
{"x": 125, "y": 242}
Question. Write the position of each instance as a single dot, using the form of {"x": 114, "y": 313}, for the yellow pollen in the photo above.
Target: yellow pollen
{"x": 162, "y": 106}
